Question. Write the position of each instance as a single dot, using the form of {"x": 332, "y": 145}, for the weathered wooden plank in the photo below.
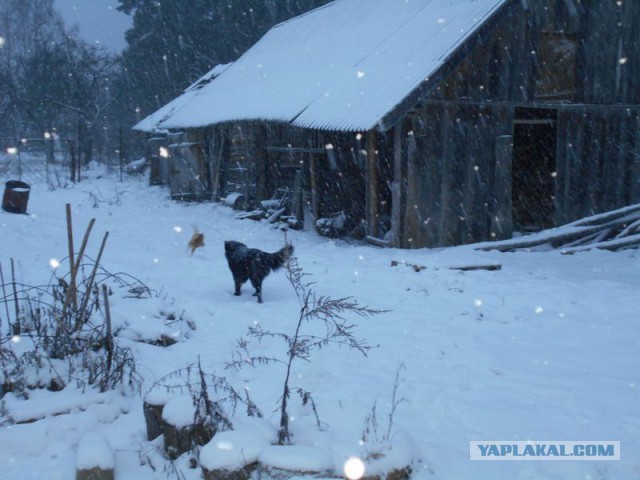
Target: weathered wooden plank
{"x": 411, "y": 219}
{"x": 615, "y": 152}
{"x": 447, "y": 215}
{"x": 574, "y": 190}
{"x": 397, "y": 187}
{"x": 471, "y": 183}
{"x": 502, "y": 214}
{"x": 634, "y": 161}
{"x": 313, "y": 183}
{"x": 595, "y": 161}
{"x": 424, "y": 208}
{"x": 561, "y": 168}
{"x": 372, "y": 183}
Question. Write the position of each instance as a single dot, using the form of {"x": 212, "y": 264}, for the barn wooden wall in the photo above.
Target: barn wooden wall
{"x": 583, "y": 63}
{"x": 451, "y": 176}
{"x": 598, "y": 162}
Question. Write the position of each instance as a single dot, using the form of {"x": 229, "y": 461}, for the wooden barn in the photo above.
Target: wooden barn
{"x": 424, "y": 123}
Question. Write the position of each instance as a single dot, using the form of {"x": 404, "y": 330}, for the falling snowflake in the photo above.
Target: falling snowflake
{"x": 354, "y": 468}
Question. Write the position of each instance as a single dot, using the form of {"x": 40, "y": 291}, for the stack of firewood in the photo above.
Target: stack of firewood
{"x": 614, "y": 230}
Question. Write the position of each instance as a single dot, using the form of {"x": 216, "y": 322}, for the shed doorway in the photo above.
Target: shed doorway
{"x": 533, "y": 169}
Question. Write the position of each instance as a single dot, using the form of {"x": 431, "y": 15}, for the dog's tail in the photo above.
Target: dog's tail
{"x": 279, "y": 258}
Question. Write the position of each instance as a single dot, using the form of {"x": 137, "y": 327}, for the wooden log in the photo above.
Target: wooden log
{"x": 470, "y": 268}
{"x": 464, "y": 268}
{"x": 582, "y": 231}
{"x": 631, "y": 241}
{"x": 607, "y": 217}
{"x": 275, "y": 216}
{"x": 252, "y": 215}
{"x": 236, "y": 200}
{"x": 378, "y": 242}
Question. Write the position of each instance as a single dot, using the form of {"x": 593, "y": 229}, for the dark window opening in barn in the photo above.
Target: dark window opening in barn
{"x": 533, "y": 172}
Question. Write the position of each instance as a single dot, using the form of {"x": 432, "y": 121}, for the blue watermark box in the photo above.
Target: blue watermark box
{"x": 544, "y": 450}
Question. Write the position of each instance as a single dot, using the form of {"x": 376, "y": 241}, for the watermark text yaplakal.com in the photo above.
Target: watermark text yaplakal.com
{"x": 544, "y": 450}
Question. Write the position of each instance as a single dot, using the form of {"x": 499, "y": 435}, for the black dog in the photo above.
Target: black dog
{"x": 253, "y": 264}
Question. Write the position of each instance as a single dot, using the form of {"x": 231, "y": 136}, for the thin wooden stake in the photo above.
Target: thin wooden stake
{"x": 6, "y": 300}
{"x": 16, "y": 326}
{"x": 109, "y": 339}
{"x": 72, "y": 283}
{"x": 85, "y": 299}
{"x": 76, "y": 267}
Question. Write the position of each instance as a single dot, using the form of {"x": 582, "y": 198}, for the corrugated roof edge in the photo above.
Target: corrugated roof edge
{"x": 451, "y": 61}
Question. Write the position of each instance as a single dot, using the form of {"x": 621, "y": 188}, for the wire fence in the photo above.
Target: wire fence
{"x": 35, "y": 161}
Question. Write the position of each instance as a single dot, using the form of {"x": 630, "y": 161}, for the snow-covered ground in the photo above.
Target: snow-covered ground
{"x": 547, "y": 348}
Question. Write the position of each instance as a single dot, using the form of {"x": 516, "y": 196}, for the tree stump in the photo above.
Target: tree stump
{"x": 282, "y": 462}
{"x": 232, "y": 455}
{"x": 243, "y": 473}
{"x": 95, "y": 460}
{"x": 152, "y": 407}
{"x": 181, "y": 430}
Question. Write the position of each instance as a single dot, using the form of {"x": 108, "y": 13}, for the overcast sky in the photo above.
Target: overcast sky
{"x": 98, "y": 21}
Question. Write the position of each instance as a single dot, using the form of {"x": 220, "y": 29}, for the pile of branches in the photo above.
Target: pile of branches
{"x": 62, "y": 332}
{"x": 613, "y": 231}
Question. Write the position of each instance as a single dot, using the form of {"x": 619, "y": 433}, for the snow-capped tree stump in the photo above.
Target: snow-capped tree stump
{"x": 232, "y": 455}
{"x": 243, "y": 473}
{"x": 152, "y": 407}
{"x": 95, "y": 460}
{"x": 395, "y": 474}
{"x": 181, "y": 427}
{"x": 388, "y": 461}
{"x": 282, "y": 462}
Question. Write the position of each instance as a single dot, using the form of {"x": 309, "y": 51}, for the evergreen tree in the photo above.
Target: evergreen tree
{"x": 174, "y": 42}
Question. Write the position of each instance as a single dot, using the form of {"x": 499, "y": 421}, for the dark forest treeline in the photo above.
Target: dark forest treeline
{"x": 51, "y": 79}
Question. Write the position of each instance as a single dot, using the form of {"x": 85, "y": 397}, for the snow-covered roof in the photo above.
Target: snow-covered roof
{"x": 342, "y": 66}
{"x": 150, "y": 123}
